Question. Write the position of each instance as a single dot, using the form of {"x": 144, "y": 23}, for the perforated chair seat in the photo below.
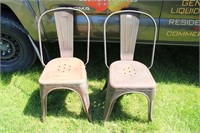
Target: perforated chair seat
{"x": 64, "y": 70}
{"x": 130, "y": 74}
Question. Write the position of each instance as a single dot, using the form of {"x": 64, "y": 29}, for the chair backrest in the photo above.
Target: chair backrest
{"x": 129, "y": 20}
{"x": 64, "y": 26}
{"x": 65, "y": 31}
{"x": 129, "y": 24}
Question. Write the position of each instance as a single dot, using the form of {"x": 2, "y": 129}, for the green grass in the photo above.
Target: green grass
{"x": 176, "y": 109}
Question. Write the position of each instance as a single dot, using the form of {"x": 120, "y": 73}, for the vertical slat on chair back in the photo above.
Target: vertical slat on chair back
{"x": 65, "y": 31}
{"x": 129, "y": 24}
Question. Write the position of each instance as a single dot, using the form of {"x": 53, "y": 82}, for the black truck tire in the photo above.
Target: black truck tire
{"x": 16, "y": 51}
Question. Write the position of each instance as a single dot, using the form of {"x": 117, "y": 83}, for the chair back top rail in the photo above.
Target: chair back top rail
{"x": 130, "y": 11}
{"x": 60, "y": 9}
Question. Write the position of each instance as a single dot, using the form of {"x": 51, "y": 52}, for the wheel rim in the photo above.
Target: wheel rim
{"x": 9, "y": 47}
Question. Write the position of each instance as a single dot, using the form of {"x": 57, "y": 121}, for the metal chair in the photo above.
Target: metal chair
{"x": 127, "y": 75}
{"x": 66, "y": 72}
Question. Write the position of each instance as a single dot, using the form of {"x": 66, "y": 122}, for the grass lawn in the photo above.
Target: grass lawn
{"x": 176, "y": 108}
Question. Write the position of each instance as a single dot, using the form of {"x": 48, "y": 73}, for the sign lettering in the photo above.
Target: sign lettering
{"x": 186, "y": 22}
{"x": 183, "y": 34}
{"x": 188, "y": 7}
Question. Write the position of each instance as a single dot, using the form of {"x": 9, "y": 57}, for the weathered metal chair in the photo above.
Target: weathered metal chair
{"x": 66, "y": 72}
{"x": 127, "y": 75}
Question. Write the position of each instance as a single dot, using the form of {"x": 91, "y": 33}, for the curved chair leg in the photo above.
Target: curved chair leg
{"x": 83, "y": 92}
{"x": 108, "y": 109}
{"x": 86, "y": 105}
{"x": 111, "y": 97}
{"x": 150, "y": 95}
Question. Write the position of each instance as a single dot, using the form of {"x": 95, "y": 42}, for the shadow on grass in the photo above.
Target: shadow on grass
{"x": 6, "y": 78}
{"x": 97, "y": 105}
{"x": 119, "y": 114}
{"x": 57, "y": 105}
{"x": 33, "y": 106}
{"x": 175, "y": 64}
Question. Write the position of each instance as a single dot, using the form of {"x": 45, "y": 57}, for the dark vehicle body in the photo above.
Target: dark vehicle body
{"x": 178, "y": 21}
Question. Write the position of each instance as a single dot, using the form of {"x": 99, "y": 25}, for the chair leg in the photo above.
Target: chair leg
{"x": 150, "y": 110}
{"x": 44, "y": 107}
{"x": 151, "y": 95}
{"x": 83, "y": 92}
{"x": 111, "y": 97}
{"x": 86, "y": 105}
{"x": 108, "y": 109}
{"x": 43, "y": 98}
